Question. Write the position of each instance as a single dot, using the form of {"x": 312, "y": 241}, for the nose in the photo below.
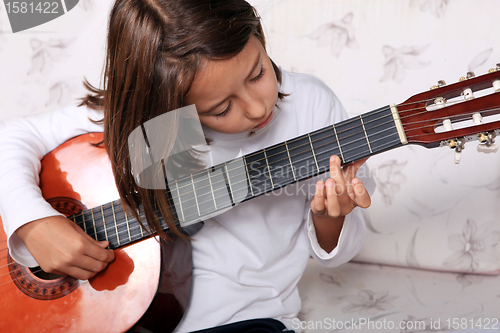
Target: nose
{"x": 254, "y": 108}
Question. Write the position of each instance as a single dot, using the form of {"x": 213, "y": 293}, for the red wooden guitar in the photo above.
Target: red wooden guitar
{"x": 147, "y": 287}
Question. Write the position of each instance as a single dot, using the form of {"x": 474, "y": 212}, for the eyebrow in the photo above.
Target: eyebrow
{"x": 259, "y": 57}
{"x": 255, "y": 65}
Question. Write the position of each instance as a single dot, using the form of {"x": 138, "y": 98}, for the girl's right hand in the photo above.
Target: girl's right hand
{"x": 61, "y": 247}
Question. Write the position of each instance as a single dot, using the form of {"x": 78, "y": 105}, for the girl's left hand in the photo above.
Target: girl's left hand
{"x": 341, "y": 193}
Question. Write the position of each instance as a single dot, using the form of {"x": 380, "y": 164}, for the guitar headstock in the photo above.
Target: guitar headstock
{"x": 451, "y": 115}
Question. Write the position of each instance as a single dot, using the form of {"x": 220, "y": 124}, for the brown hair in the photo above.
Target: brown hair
{"x": 154, "y": 50}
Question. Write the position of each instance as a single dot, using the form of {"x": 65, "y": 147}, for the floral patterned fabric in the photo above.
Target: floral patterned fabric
{"x": 427, "y": 212}
{"x": 359, "y": 297}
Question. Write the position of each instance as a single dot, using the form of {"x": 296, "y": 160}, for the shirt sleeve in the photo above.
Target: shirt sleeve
{"x": 23, "y": 143}
{"x": 350, "y": 240}
{"x": 329, "y": 110}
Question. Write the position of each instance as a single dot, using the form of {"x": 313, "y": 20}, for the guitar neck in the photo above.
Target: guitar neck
{"x": 208, "y": 192}
{"x": 211, "y": 191}
{"x": 215, "y": 189}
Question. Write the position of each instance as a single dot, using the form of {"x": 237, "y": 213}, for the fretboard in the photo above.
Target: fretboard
{"x": 213, "y": 190}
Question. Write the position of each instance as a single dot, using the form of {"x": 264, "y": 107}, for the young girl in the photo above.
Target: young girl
{"x": 163, "y": 55}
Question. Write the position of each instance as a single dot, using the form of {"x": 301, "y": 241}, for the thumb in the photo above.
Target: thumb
{"x": 103, "y": 244}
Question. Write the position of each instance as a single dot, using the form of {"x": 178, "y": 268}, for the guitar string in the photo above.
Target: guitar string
{"x": 264, "y": 166}
{"x": 429, "y": 99}
{"x": 324, "y": 138}
{"x": 39, "y": 269}
{"x": 363, "y": 125}
{"x": 119, "y": 232}
{"x": 203, "y": 172}
{"x": 254, "y": 161}
{"x": 316, "y": 148}
{"x": 111, "y": 232}
{"x": 288, "y": 172}
{"x": 111, "y": 229}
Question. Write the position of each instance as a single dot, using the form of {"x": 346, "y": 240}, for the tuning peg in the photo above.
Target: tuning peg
{"x": 497, "y": 68}
{"x": 438, "y": 85}
{"x": 467, "y": 93}
{"x": 469, "y": 75}
{"x": 482, "y": 148}
{"x": 477, "y": 119}
{"x": 459, "y": 145}
{"x": 487, "y": 143}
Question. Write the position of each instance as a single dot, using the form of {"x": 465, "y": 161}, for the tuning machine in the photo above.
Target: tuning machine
{"x": 496, "y": 83}
{"x": 459, "y": 145}
{"x": 486, "y": 144}
{"x": 440, "y": 84}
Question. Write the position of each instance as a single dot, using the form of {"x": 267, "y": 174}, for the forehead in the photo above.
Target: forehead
{"x": 218, "y": 79}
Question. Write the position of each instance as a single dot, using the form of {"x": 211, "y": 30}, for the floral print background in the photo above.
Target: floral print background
{"x": 374, "y": 53}
{"x": 426, "y": 212}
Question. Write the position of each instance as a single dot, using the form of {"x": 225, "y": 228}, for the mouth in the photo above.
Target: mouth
{"x": 265, "y": 122}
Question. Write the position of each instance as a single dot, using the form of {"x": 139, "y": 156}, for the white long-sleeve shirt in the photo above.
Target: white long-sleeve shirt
{"x": 247, "y": 261}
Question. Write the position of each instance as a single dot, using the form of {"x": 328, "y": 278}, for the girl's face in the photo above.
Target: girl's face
{"x": 238, "y": 94}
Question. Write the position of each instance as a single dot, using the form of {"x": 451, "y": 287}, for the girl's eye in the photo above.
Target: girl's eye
{"x": 257, "y": 78}
{"x": 223, "y": 113}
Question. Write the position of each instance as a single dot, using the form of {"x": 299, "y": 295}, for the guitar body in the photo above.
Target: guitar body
{"x": 145, "y": 289}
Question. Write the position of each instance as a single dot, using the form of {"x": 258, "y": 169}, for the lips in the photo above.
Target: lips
{"x": 265, "y": 122}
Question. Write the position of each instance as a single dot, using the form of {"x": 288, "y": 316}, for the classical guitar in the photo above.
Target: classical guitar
{"x": 147, "y": 287}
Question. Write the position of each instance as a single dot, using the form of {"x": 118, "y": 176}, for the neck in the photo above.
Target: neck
{"x": 209, "y": 192}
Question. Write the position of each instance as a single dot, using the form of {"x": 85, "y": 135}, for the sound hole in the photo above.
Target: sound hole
{"x": 44, "y": 287}
{"x": 41, "y": 274}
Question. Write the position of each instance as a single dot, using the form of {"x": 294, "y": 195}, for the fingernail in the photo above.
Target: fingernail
{"x": 329, "y": 183}
{"x": 332, "y": 158}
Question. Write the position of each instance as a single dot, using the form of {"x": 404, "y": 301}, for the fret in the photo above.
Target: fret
{"x": 134, "y": 229}
{"x": 104, "y": 224}
{"x": 86, "y": 227}
{"x": 99, "y": 224}
{"x": 312, "y": 150}
{"x": 381, "y": 130}
{"x": 248, "y": 176}
{"x": 221, "y": 193}
{"x": 279, "y": 165}
{"x": 73, "y": 218}
{"x": 352, "y": 140}
{"x": 187, "y": 198}
{"x": 290, "y": 160}
{"x": 325, "y": 145}
{"x": 84, "y": 222}
{"x": 268, "y": 168}
{"x": 176, "y": 198}
{"x": 212, "y": 188}
{"x": 228, "y": 181}
{"x": 366, "y": 135}
{"x": 204, "y": 195}
{"x": 116, "y": 226}
{"x": 259, "y": 178}
{"x": 128, "y": 225}
{"x": 195, "y": 196}
{"x": 338, "y": 144}
{"x": 302, "y": 157}
{"x": 78, "y": 220}
{"x": 237, "y": 179}
{"x": 96, "y": 237}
